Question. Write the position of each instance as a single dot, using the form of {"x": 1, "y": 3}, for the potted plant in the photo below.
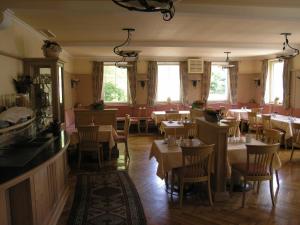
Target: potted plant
{"x": 199, "y": 104}
{"x": 22, "y": 84}
{"x": 98, "y": 105}
{"x": 51, "y": 49}
{"x": 276, "y": 100}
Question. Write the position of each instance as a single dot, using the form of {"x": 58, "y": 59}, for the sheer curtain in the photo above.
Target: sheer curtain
{"x": 132, "y": 73}
{"x": 97, "y": 76}
{"x": 152, "y": 82}
{"x": 205, "y": 82}
{"x": 265, "y": 66}
{"x": 233, "y": 79}
{"x": 183, "y": 81}
{"x": 286, "y": 84}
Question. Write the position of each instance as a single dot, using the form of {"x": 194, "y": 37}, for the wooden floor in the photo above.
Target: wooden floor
{"x": 195, "y": 211}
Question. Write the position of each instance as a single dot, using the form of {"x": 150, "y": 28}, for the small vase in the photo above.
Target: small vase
{"x": 51, "y": 53}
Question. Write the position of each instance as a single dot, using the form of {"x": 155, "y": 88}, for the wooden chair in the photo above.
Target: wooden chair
{"x": 257, "y": 110}
{"x": 88, "y": 142}
{"x": 122, "y": 136}
{"x": 173, "y": 116}
{"x": 258, "y": 166}
{"x": 266, "y": 121}
{"x": 272, "y": 136}
{"x": 196, "y": 167}
{"x": 296, "y": 138}
{"x": 233, "y": 130}
{"x": 253, "y": 124}
{"x": 190, "y": 130}
{"x": 177, "y": 132}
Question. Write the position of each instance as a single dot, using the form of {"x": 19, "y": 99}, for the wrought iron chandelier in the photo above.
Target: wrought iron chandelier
{"x": 287, "y": 50}
{"x": 166, "y": 7}
{"x": 127, "y": 55}
{"x": 228, "y": 65}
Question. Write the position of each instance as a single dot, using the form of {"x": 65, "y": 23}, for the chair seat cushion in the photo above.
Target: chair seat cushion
{"x": 242, "y": 168}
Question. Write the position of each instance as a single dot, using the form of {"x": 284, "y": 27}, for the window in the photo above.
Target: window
{"x": 168, "y": 82}
{"x": 115, "y": 85}
{"x": 274, "y": 82}
{"x": 218, "y": 83}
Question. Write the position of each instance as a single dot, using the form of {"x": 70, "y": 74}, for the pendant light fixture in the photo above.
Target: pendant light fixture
{"x": 228, "y": 65}
{"x": 127, "y": 55}
{"x": 287, "y": 50}
{"x": 166, "y": 7}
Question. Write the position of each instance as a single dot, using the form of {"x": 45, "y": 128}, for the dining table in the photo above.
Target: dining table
{"x": 159, "y": 116}
{"x": 169, "y": 157}
{"x": 239, "y": 114}
{"x": 282, "y": 122}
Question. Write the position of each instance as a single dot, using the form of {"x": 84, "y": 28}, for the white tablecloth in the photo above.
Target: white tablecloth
{"x": 239, "y": 113}
{"x": 159, "y": 116}
{"x": 282, "y": 122}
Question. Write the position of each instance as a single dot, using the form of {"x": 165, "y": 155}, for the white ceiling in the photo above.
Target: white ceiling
{"x": 207, "y": 28}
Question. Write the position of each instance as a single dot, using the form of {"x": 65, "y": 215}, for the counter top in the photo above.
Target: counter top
{"x": 51, "y": 149}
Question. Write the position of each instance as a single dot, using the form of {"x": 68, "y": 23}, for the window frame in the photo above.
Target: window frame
{"x": 128, "y": 91}
{"x": 228, "y": 84}
{"x": 180, "y": 97}
{"x": 269, "y": 84}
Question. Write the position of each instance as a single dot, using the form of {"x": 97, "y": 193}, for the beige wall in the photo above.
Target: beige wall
{"x": 22, "y": 41}
{"x": 17, "y": 40}
{"x": 295, "y": 87}
{"x": 247, "y": 89}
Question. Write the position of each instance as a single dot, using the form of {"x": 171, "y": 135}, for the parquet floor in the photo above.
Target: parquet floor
{"x": 160, "y": 210}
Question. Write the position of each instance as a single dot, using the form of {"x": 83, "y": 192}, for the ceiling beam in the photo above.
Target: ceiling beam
{"x": 177, "y": 44}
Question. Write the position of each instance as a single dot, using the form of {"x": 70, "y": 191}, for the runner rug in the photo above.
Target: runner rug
{"x": 108, "y": 198}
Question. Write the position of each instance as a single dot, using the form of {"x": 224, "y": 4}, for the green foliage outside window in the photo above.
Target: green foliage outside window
{"x": 113, "y": 93}
{"x": 217, "y": 83}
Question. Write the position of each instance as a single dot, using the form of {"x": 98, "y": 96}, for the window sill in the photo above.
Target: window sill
{"x": 116, "y": 103}
{"x": 218, "y": 101}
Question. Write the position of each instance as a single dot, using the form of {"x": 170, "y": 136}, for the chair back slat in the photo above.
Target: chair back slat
{"x": 127, "y": 125}
{"x": 259, "y": 159}
{"x": 272, "y": 136}
{"x": 196, "y": 161}
{"x": 191, "y": 130}
{"x": 88, "y": 137}
{"x": 266, "y": 121}
{"x": 296, "y": 133}
{"x": 233, "y": 129}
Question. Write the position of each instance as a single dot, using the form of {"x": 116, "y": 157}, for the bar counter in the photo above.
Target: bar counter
{"x": 36, "y": 193}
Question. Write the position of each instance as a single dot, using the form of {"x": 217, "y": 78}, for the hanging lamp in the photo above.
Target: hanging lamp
{"x": 166, "y": 7}
{"x": 287, "y": 50}
{"x": 228, "y": 65}
{"x": 127, "y": 55}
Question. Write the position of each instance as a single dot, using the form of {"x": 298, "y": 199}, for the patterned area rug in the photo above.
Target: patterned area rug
{"x": 108, "y": 198}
